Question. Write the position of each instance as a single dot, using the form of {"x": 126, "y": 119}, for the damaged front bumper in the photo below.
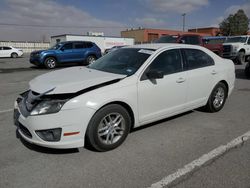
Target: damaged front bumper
{"x": 52, "y": 130}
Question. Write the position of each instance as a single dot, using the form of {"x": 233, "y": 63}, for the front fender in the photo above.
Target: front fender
{"x": 44, "y": 55}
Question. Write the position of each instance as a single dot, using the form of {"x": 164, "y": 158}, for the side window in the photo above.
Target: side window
{"x": 1, "y": 47}
{"x": 169, "y": 62}
{"x": 197, "y": 59}
{"x": 79, "y": 45}
{"x": 68, "y": 46}
{"x": 89, "y": 45}
{"x": 6, "y": 48}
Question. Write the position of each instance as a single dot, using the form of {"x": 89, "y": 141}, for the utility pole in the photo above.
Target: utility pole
{"x": 183, "y": 21}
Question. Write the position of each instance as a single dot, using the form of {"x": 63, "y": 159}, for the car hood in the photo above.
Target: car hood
{"x": 233, "y": 43}
{"x": 40, "y": 51}
{"x": 37, "y": 51}
{"x": 71, "y": 80}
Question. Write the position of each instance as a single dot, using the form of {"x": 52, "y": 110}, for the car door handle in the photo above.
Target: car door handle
{"x": 180, "y": 80}
{"x": 214, "y": 72}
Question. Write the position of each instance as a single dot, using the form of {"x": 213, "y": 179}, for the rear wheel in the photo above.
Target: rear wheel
{"x": 108, "y": 128}
{"x": 14, "y": 55}
{"x": 90, "y": 59}
{"x": 217, "y": 98}
{"x": 50, "y": 62}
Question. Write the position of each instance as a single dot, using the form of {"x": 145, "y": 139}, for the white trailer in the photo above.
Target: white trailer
{"x": 102, "y": 42}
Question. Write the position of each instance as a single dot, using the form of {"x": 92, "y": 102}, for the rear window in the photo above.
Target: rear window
{"x": 166, "y": 39}
{"x": 190, "y": 39}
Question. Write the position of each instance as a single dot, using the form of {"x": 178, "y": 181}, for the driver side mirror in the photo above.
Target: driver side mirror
{"x": 154, "y": 74}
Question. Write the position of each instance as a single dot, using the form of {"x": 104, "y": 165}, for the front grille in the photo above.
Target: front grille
{"x": 227, "y": 48}
{"x": 34, "y": 54}
{"x": 25, "y": 131}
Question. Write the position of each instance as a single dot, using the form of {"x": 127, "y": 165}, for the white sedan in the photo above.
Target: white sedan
{"x": 9, "y": 51}
{"x": 128, "y": 88}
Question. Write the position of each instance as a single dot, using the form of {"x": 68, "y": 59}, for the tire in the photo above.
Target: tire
{"x": 103, "y": 134}
{"x": 14, "y": 55}
{"x": 247, "y": 70}
{"x": 217, "y": 98}
{"x": 241, "y": 58}
{"x": 90, "y": 59}
{"x": 50, "y": 63}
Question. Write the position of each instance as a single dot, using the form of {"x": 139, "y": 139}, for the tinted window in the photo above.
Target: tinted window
{"x": 166, "y": 39}
{"x": 79, "y": 45}
{"x": 169, "y": 62}
{"x": 68, "y": 46}
{"x": 89, "y": 45}
{"x": 197, "y": 59}
{"x": 6, "y": 48}
{"x": 191, "y": 39}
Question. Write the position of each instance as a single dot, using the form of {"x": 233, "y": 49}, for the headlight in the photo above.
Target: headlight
{"x": 48, "y": 107}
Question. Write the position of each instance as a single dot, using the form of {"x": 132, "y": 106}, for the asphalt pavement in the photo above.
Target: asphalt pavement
{"x": 148, "y": 154}
{"x": 231, "y": 170}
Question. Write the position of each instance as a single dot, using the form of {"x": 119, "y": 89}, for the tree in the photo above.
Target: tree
{"x": 235, "y": 24}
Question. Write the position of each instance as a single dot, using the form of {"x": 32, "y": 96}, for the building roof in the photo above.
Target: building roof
{"x": 168, "y": 31}
{"x": 62, "y": 35}
{"x": 204, "y": 28}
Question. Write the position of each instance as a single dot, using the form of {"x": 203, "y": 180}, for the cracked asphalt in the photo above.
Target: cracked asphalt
{"x": 149, "y": 153}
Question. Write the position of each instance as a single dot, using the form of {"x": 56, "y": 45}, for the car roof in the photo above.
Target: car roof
{"x": 156, "y": 46}
{"x": 64, "y": 42}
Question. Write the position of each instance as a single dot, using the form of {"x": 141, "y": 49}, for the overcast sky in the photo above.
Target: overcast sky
{"x": 108, "y": 16}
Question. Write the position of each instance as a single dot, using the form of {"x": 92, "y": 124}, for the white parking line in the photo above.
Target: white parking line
{"x": 191, "y": 167}
{"x": 4, "y": 111}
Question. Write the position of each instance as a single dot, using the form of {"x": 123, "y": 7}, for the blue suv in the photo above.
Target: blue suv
{"x": 65, "y": 52}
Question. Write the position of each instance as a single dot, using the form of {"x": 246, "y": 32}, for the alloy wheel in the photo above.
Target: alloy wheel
{"x": 51, "y": 63}
{"x": 111, "y": 128}
{"x": 219, "y": 97}
{"x": 91, "y": 59}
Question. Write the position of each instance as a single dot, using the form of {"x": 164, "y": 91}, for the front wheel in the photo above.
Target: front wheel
{"x": 50, "y": 62}
{"x": 90, "y": 59}
{"x": 217, "y": 98}
{"x": 14, "y": 55}
{"x": 108, "y": 128}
